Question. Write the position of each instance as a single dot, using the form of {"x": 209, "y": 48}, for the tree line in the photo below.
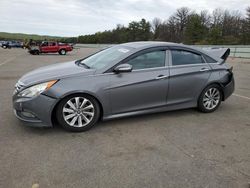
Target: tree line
{"x": 184, "y": 26}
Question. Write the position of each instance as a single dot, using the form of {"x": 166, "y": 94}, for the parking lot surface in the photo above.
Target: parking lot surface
{"x": 183, "y": 148}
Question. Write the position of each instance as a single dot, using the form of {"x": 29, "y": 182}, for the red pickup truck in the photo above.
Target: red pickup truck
{"x": 50, "y": 47}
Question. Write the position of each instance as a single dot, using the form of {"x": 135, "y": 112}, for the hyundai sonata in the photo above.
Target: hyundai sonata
{"x": 124, "y": 80}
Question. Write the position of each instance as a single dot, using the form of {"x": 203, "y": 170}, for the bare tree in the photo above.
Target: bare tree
{"x": 173, "y": 32}
{"x": 217, "y": 17}
{"x": 156, "y": 22}
{"x": 205, "y": 18}
{"x": 245, "y": 31}
{"x": 248, "y": 13}
{"x": 155, "y": 26}
{"x": 181, "y": 18}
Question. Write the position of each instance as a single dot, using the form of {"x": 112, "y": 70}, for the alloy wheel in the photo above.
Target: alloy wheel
{"x": 78, "y": 111}
{"x": 211, "y": 98}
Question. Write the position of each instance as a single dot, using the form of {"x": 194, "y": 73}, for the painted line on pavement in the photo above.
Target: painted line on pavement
{"x": 7, "y": 61}
{"x": 241, "y": 96}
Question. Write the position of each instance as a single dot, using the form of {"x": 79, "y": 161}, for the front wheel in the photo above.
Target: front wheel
{"x": 78, "y": 112}
{"x": 36, "y": 52}
{"x": 210, "y": 99}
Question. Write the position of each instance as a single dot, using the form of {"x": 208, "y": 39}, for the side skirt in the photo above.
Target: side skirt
{"x": 151, "y": 110}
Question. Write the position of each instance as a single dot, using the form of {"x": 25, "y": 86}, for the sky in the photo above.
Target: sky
{"x": 79, "y": 17}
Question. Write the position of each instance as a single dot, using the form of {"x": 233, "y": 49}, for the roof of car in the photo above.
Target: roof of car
{"x": 148, "y": 44}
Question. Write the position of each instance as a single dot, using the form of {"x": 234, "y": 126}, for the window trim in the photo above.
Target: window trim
{"x": 149, "y": 69}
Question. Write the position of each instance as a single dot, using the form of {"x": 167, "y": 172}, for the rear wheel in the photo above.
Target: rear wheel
{"x": 62, "y": 52}
{"x": 78, "y": 112}
{"x": 210, "y": 99}
{"x": 34, "y": 52}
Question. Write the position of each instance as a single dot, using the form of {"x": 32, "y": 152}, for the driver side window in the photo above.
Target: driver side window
{"x": 44, "y": 44}
{"x": 148, "y": 60}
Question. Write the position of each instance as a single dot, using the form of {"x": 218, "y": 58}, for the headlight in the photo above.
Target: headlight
{"x": 36, "y": 89}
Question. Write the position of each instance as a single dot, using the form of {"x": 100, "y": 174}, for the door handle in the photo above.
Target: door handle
{"x": 204, "y": 69}
{"x": 161, "y": 77}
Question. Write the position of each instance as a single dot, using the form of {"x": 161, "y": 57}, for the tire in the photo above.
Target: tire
{"x": 71, "y": 116}
{"x": 4, "y": 47}
{"x": 36, "y": 52}
{"x": 210, "y": 98}
{"x": 62, "y": 52}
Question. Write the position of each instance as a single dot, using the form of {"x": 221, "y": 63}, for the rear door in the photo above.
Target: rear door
{"x": 143, "y": 88}
{"x": 189, "y": 74}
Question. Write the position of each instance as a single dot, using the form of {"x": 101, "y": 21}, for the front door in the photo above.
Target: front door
{"x": 44, "y": 47}
{"x": 143, "y": 88}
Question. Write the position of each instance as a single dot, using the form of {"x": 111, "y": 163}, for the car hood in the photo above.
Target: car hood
{"x": 52, "y": 72}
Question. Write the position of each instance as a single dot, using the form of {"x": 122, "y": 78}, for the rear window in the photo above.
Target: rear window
{"x": 182, "y": 57}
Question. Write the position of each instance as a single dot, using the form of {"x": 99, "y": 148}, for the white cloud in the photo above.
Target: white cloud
{"x": 75, "y": 17}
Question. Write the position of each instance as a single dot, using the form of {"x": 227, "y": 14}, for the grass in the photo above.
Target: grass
{"x": 26, "y": 37}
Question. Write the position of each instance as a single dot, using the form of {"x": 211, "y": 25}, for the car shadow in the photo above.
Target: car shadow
{"x": 146, "y": 117}
{"x": 101, "y": 125}
{"x": 54, "y": 54}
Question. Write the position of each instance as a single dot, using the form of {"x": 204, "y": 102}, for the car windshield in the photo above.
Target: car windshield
{"x": 105, "y": 57}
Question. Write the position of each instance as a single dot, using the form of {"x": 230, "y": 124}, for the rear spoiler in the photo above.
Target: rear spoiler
{"x": 221, "y": 53}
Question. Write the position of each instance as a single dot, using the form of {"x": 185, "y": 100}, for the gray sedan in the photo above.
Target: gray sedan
{"x": 124, "y": 80}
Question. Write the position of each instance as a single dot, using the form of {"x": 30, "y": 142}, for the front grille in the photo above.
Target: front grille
{"x": 18, "y": 87}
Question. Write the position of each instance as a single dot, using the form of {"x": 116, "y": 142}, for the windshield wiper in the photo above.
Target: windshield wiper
{"x": 78, "y": 62}
{"x": 86, "y": 66}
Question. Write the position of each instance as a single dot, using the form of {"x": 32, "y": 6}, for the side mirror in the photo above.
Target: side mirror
{"x": 123, "y": 68}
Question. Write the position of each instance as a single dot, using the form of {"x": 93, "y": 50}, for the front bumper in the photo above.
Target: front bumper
{"x": 228, "y": 89}
{"x": 35, "y": 111}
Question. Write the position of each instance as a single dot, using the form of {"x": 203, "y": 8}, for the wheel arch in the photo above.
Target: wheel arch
{"x": 214, "y": 83}
{"x": 53, "y": 112}
{"x": 62, "y": 49}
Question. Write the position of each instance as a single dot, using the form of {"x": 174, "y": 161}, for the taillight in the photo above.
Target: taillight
{"x": 230, "y": 75}
{"x": 230, "y": 69}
